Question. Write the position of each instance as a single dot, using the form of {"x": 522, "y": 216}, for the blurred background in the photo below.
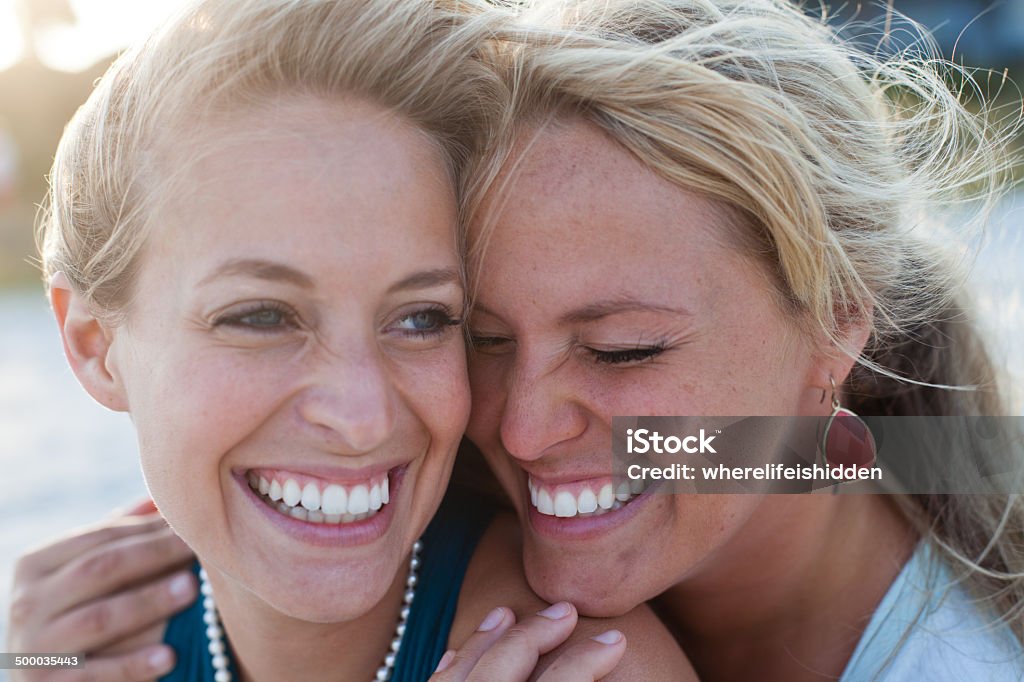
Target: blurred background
{"x": 67, "y": 461}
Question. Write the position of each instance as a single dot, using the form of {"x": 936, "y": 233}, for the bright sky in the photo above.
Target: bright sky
{"x": 103, "y": 27}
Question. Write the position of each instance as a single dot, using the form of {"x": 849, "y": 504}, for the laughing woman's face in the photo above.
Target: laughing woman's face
{"x": 607, "y": 291}
{"x": 292, "y": 356}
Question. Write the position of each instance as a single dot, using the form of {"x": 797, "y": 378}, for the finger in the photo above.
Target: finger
{"x": 101, "y": 622}
{"x": 588, "y": 660}
{"x": 145, "y": 664}
{"x": 50, "y": 557}
{"x": 456, "y": 665}
{"x": 112, "y": 567}
{"x": 142, "y": 507}
{"x": 513, "y": 655}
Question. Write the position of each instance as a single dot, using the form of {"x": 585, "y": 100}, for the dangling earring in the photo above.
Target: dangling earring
{"x": 846, "y": 441}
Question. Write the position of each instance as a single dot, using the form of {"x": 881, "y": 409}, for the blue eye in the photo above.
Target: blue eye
{"x": 427, "y": 322}
{"x": 263, "y": 317}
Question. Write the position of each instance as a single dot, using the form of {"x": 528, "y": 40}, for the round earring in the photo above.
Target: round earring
{"x": 846, "y": 440}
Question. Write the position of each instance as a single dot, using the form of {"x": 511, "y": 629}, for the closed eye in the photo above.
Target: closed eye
{"x": 625, "y": 355}
{"x": 485, "y": 343}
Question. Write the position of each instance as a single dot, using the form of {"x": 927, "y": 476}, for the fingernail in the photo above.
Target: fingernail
{"x": 556, "y": 611}
{"x": 159, "y": 659}
{"x": 181, "y": 586}
{"x": 492, "y": 620}
{"x": 610, "y": 637}
{"x": 445, "y": 661}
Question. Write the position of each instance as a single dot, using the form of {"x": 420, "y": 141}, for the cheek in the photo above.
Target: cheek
{"x": 190, "y": 410}
{"x": 437, "y": 393}
{"x": 488, "y": 391}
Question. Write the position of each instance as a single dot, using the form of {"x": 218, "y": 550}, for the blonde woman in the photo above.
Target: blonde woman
{"x": 707, "y": 207}
{"x": 251, "y": 246}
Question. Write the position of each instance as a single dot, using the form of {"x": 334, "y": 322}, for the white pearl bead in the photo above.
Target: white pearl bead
{"x": 222, "y": 676}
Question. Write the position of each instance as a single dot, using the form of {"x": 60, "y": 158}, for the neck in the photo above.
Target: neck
{"x": 267, "y": 644}
{"x": 789, "y": 597}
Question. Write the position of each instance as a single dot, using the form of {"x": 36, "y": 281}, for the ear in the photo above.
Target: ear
{"x": 87, "y": 344}
{"x": 836, "y": 361}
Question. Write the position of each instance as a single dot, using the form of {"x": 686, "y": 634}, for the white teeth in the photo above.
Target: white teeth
{"x": 565, "y": 504}
{"x": 544, "y": 503}
{"x": 311, "y": 497}
{"x": 359, "y": 500}
{"x": 275, "y": 491}
{"x": 587, "y": 501}
{"x": 334, "y": 500}
{"x": 291, "y": 493}
{"x": 334, "y": 504}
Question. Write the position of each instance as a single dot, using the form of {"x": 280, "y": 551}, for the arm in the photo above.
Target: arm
{"x": 105, "y": 591}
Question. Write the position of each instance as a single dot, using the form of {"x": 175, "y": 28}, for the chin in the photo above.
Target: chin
{"x": 596, "y": 591}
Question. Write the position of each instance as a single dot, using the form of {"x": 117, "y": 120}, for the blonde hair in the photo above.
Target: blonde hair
{"x": 416, "y": 58}
{"x": 835, "y": 159}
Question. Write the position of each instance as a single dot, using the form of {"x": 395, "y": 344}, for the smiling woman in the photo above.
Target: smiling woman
{"x": 251, "y": 243}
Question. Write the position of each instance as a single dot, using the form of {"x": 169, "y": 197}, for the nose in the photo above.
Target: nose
{"x": 540, "y": 411}
{"x": 351, "y": 403}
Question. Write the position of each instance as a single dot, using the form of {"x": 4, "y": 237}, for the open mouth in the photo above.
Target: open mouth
{"x": 582, "y": 499}
{"x": 317, "y": 500}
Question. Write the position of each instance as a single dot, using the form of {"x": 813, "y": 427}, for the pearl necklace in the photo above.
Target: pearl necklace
{"x": 215, "y": 634}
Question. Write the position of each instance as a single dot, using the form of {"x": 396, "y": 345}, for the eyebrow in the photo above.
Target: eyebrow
{"x": 278, "y": 272}
{"x": 427, "y": 279}
{"x": 601, "y": 309}
{"x": 260, "y": 269}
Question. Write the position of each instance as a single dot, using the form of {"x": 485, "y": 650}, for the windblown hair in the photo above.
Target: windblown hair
{"x": 836, "y": 160}
{"x": 415, "y": 58}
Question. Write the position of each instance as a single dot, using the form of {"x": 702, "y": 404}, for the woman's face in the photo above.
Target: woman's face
{"x": 607, "y": 291}
{"x": 292, "y": 357}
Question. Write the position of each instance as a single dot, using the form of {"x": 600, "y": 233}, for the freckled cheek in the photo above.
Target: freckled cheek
{"x": 437, "y": 393}
{"x": 488, "y": 393}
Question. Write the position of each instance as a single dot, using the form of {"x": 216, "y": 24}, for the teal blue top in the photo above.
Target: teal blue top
{"x": 448, "y": 545}
{"x": 927, "y": 628}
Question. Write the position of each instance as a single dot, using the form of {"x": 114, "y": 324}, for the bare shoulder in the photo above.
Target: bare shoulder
{"x": 495, "y": 578}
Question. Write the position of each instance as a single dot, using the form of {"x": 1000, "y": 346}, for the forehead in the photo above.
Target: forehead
{"x": 573, "y": 201}
{"x": 310, "y": 181}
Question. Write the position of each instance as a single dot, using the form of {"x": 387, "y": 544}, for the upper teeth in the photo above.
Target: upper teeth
{"x": 558, "y": 501}
{"x": 328, "y": 498}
